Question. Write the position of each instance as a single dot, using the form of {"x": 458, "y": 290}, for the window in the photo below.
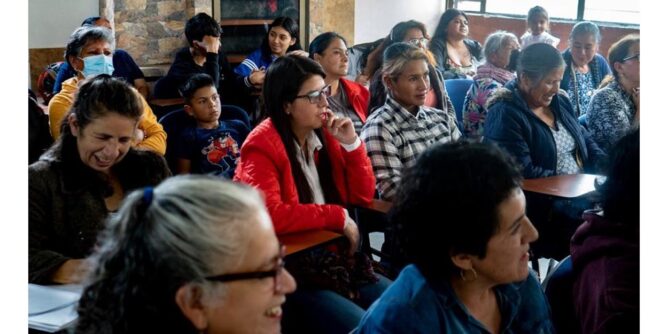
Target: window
{"x": 617, "y": 11}
{"x": 622, "y": 11}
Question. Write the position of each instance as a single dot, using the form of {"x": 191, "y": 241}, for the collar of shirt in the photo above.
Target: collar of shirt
{"x": 401, "y": 113}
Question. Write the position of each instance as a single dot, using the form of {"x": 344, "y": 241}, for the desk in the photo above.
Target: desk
{"x": 381, "y": 206}
{"x": 297, "y": 242}
{"x": 565, "y": 186}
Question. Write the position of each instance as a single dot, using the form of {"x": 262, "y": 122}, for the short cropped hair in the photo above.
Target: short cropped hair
{"x": 201, "y": 25}
{"x": 195, "y": 82}
{"x": 448, "y": 203}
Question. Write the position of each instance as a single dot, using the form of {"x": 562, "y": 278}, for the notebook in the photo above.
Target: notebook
{"x": 52, "y": 308}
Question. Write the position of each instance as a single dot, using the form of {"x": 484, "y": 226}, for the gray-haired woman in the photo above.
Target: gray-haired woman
{"x": 499, "y": 50}
{"x": 585, "y": 68}
{"x": 197, "y": 254}
{"x": 535, "y": 123}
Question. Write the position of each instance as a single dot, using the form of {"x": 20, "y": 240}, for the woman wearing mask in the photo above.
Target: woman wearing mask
{"x": 89, "y": 53}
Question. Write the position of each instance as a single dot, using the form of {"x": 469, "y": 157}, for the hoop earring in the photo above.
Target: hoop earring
{"x": 462, "y": 274}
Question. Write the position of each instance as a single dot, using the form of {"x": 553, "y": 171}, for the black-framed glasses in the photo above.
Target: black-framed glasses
{"x": 275, "y": 273}
{"x": 419, "y": 41}
{"x": 635, "y": 56}
{"x": 315, "y": 96}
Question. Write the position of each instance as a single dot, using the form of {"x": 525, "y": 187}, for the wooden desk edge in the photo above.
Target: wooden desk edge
{"x": 381, "y": 206}
{"x": 297, "y": 242}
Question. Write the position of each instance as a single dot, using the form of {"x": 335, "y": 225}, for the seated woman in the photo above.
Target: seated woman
{"x": 83, "y": 177}
{"x": 89, "y": 52}
{"x": 481, "y": 283}
{"x": 499, "y": 49}
{"x": 403, "y": 127}
{"x": 196, "y": 254}
{"x": 585, "y": 68}
{"x": 282, "y": 38}
{"x": 456, "y": 55}
{"x": 310, "y": 164}
{"x": 615, "y": 109}
{"x": 415, "y": 33}
{"x": 605, "y": 249}
{"x": 346, "y": 98}
{"x": 535, "y": 122}
{"x": 124, "y": 66}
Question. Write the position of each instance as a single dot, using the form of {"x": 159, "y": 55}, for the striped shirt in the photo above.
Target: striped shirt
{"x": 394, "y": 138}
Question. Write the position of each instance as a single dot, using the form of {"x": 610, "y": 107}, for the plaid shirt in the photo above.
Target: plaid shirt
{"x": 394, "y": 138}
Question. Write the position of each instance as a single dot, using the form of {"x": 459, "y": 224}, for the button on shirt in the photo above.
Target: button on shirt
{"x": 394, "y": 138}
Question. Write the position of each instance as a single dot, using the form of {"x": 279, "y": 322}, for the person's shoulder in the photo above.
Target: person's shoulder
{"x": 263, "y": 135}
{"x": 234, "y": 125}
{"x": 500, "y": 97}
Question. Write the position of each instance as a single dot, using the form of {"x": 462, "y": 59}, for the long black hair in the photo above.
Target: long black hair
{"x": 281, "y": 85}
{"x": 291, "y": 26}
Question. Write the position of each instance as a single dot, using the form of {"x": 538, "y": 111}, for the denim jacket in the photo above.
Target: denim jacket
{"x": 414, "y": 305}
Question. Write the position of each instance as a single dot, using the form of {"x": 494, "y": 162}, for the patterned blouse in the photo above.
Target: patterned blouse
{"x": 394, "y": 138}
{"x": 580, "y": 91}
{"x": 566, "y": 163}
{"x": 489, "y": 79}
{"x": 610, "y": 115}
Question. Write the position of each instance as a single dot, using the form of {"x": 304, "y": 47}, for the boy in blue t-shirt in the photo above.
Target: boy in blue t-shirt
{"x": 209, "y": 145}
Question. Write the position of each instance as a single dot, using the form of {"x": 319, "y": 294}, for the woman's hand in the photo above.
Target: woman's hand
{"x": 71, "y": 272}
{"x": 352, "y": 233}
{"x": 341, "y": 128}
{"x": 256, "y": 78}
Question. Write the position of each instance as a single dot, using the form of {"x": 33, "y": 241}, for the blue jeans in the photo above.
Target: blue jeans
{"x": 325, "y": 311}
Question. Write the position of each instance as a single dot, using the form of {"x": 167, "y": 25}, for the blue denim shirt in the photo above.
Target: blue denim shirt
{"x": 412, "y": 305}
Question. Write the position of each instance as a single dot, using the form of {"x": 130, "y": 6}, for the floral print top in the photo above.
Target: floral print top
{"x": 610, "y": 115}
{"x": 489, "y": 79}
{"x": 580, "y": 91}
{"x": 566, "y": 163}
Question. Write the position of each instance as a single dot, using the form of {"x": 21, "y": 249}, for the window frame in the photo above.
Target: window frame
{"x": 580, "y": 15}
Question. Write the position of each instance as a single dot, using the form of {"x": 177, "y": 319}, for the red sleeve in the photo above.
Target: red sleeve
{"x": 360, "y": 180}
{"x": 262, "y": 171}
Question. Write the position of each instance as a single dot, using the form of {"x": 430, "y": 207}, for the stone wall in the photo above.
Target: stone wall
{"x": 151, "y": 30}
{"x": 332, "y": 15}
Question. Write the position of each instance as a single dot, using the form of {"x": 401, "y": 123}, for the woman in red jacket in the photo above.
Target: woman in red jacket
{"x": 310, "y": 164}
{"x": 348, "y": 98}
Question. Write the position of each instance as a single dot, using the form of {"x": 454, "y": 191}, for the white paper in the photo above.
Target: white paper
{"x": 52, "y": 308}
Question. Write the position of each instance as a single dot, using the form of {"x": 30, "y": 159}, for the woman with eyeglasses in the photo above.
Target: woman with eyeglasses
{"x": 347, "y": 98}
{"x": 197, "y": 254}
{"x": 457, "y": 56}
{"x": 585, "y": 68}
{"x": 310, "y": 164}
{"x": 615, "y": 109}
{"x": 415, "y": 33}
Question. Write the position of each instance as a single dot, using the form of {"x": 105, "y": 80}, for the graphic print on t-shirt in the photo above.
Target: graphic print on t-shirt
{"x": 222, "y": 151}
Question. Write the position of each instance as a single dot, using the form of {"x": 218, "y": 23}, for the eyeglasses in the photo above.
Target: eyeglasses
{"x": 419, "y": 41}
{"x": 314, "y": 97}
{"x": 635, "y": 56}
{"x": 275, "y": 273}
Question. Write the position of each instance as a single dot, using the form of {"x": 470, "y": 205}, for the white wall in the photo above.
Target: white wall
{"x": 50, "y": 22}
{"x": 375, "y": 18}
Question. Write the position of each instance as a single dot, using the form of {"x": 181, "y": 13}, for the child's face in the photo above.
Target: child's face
{"x": 205, "y": 106}
{"x": 539, "y": 25}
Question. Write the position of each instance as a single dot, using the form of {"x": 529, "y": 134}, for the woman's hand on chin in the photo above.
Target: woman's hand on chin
{"x": 341, "y": 128}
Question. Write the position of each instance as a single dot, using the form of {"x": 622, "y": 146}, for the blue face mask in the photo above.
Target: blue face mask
{"x": 97, "y": 64}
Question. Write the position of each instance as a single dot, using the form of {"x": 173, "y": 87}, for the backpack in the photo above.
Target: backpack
{"x": 46, "y": 80}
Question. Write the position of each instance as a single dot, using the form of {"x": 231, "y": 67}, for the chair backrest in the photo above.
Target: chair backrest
{"x": 176, "y": 121}
{"x": 558, "y": 287}
{"x": 457, "y": 89}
